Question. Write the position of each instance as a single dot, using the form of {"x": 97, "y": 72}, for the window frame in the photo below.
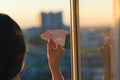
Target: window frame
{"x": 75, "y": 40}
{"x": 117, "y": 39}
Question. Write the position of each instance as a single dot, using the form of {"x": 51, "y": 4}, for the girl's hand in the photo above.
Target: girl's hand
{"x": 55, "y": 53}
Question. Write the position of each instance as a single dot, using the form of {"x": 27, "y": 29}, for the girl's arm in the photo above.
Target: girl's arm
{"x": 55, "y": 53}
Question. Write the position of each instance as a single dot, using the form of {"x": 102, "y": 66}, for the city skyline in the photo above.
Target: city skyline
{"x": 26, "y": 12}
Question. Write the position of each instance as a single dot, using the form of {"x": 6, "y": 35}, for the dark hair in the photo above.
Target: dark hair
{"x": 12, "y": 48}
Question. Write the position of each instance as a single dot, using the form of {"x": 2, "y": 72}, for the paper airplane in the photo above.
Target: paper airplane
{"x": 57, "y": 36}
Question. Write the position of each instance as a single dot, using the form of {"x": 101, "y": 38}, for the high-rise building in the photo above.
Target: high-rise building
{"x": 51, "y": 20}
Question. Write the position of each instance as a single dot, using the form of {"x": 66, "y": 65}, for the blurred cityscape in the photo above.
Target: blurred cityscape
{"x": 92, "y": 38}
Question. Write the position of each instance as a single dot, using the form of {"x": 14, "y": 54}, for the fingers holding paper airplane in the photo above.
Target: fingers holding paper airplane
{"x": 55, "y": 53}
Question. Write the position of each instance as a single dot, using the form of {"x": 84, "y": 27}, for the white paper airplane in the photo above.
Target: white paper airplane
{"x": 57, "y": 36}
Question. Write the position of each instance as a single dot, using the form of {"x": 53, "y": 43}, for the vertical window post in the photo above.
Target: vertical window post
{"x": 75, "y": 40}
{"x": 117, "y": 38}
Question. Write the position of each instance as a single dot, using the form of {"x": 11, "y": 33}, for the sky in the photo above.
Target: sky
{"x": 27, "y": 12}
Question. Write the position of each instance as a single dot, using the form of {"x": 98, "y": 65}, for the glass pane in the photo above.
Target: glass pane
{"x": 35, "y": 17}
{"x": 97, "y": 33}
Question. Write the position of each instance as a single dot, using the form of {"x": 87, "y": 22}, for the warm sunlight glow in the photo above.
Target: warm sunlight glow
{"x": 96, "y": 12}
{"x": 39, "y": 19}
{"x": 92, "y": 12}
{"x": 117, "y": 10}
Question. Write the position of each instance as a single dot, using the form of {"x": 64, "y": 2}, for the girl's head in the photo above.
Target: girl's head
{"x": 12, "y": 48}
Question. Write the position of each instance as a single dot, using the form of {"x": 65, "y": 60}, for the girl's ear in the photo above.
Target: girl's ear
{"x": 23, "y": 65}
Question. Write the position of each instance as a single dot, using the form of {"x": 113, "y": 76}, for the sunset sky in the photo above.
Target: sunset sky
{"x": 25, "y": 12}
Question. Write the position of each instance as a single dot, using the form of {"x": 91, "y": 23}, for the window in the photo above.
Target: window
{"x": 35, "y": 17}
{"x": 92, "y": 48}
{"x": 95, "y": 55}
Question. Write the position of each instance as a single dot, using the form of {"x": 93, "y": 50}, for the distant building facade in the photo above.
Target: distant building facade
{"x": 90, "y": 39}
{"x": 51, "y": 20}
